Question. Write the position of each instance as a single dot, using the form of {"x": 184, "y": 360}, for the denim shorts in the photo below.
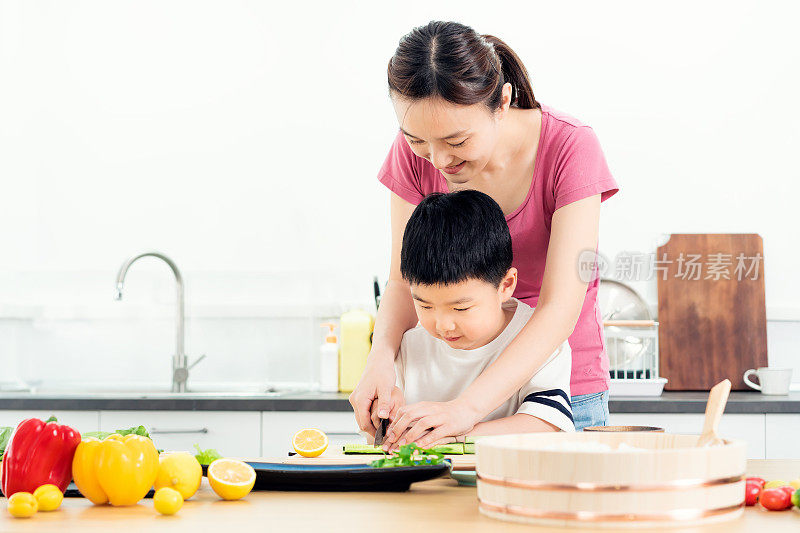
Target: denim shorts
{"x": 590, "y": 410}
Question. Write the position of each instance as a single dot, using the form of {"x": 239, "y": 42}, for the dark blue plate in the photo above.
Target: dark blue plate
{"x": 330, "y": 478}
{"x": 342, "y": 478}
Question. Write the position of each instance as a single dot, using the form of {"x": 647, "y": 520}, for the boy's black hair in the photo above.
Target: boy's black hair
{"x": 452, "y": 237}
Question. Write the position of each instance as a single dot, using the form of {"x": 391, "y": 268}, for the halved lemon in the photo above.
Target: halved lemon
{"x": 231, "y": 479}
{"x": 310, "y": 442}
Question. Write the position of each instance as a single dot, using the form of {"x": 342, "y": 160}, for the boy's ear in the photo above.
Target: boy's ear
{"x": 508, "y": 284}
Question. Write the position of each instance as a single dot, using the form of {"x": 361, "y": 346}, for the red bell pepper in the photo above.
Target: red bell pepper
{"x": 37, "y": 454}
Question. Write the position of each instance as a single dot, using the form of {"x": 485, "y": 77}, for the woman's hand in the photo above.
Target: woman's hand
{"x": 375, "y": 386}
{"x": 429, "y": 423}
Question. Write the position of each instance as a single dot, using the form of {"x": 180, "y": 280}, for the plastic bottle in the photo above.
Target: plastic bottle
{"x": 356, "y": 334}
{"x": 329, "y": 362}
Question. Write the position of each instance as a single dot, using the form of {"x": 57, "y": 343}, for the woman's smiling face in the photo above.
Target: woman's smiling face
{"x": 457, "y": 139}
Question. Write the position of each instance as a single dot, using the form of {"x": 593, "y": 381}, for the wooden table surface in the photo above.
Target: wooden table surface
{"x": 437, "y": 505}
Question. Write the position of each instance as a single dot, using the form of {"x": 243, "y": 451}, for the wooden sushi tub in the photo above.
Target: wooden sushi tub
{"x": 543, "y": 479}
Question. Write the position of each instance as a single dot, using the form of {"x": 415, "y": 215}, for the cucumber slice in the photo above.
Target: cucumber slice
{"x": 455, "y": 448}
{"x": 361, "y": 448}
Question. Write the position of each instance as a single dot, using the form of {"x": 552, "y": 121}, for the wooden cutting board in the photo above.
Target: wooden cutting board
{"x": 711, "y": 309}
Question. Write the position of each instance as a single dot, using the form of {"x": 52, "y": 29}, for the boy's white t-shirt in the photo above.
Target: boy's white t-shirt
{"x": 430, "y": 370}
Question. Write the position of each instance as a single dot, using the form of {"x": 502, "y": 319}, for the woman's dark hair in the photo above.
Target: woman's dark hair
{"x": 453, "y": 237}
{"x": 454, "y": 62}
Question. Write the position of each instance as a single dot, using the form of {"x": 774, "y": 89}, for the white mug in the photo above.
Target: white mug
{"x": 770, "y": 380}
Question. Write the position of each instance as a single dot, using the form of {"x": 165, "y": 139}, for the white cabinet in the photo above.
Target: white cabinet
{"x": 252, "y": 434}
{"x": 749, "y": 428}
{"x": 783, "y": 436}
{"x": 278, "y": 427}
{"x": 82, "y": 421}
{"x": 232, "y": 433}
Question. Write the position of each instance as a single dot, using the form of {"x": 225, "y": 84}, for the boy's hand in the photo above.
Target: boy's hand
{"x": 427, "y": 423}
{"x": 395, "y": 403}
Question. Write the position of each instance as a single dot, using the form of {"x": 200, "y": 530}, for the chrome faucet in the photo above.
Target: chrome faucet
{"x": 180, "y": 370}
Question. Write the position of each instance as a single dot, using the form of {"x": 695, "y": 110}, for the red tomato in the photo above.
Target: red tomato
{"x": 751, "y": 492}
{"x": 775, "y": 499}
{"x": 788, "y": 489}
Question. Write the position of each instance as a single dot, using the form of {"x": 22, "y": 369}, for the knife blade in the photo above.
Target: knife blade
{"x": 380, "y": 433}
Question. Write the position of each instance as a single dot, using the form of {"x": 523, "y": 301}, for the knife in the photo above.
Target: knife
{"x": 377, "y": 290}
{"x": 380, "y": 433}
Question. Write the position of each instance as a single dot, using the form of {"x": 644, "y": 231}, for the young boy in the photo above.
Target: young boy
{"x": 456, "y": 256}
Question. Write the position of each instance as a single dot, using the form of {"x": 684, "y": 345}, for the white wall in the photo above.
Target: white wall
{"x": 243, "y": 139}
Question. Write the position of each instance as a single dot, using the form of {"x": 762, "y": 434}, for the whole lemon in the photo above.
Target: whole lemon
{"x": 167, "y": 501}
{"x": 179, "y": 471}
{"x": 22, "y": 505}
{"x": 49, "y": 497}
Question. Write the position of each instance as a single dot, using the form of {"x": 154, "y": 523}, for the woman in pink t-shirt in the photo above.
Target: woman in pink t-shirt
{"x": 468, "y": 119}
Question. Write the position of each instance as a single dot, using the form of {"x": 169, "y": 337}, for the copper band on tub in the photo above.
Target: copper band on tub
{"x": 591, "y": 516}
{"x": 679, "y": 484}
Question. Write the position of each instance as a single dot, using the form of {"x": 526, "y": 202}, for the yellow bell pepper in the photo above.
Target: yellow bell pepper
{"x": 120, "y": 470}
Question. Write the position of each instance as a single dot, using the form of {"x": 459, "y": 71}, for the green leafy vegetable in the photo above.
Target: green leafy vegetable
{"x": 206, "y": 457}
{"x": 5, "y": 436}
{"x": 410, "y": 455}
{"x": 136, "y": 430}
{"x": 99, "y": 435}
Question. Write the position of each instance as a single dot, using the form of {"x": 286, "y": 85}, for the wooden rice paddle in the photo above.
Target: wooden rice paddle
{"x": 717, "y": 399}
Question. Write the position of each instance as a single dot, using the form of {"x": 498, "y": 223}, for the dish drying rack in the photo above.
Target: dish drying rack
{"x": 632, "y": 347}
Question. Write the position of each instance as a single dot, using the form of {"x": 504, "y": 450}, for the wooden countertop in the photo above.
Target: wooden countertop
{"x": 437, "y": 505}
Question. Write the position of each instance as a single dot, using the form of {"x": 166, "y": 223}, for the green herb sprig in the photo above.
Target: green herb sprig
{"x": 410, "y": 455}
{"x": 206, "y": 457}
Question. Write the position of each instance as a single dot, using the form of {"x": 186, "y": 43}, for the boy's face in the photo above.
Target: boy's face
{"x": 466, "y": 315}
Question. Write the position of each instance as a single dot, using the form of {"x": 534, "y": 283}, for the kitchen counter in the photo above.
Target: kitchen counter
{"x": 668, "y": 402}
{"x": 437, "y": 505}
{"x": 695, "y": 402}
{"x": 190, "y": 401}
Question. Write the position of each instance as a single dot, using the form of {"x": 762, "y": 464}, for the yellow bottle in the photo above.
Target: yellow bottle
{"x": 355, "y": 343}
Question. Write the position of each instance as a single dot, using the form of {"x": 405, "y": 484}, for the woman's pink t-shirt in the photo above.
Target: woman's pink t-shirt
{"x": 569, "y": 166}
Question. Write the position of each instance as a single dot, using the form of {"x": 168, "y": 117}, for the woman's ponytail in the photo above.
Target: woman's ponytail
{"x": 452, "y": 61}
{"x": 514, "y": 72}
